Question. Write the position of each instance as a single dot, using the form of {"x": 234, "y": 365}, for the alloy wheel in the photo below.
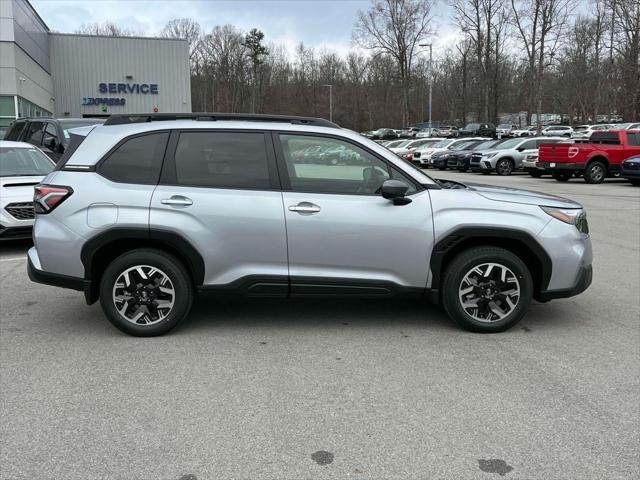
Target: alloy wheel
{"x": 489, "y": 292}
{"x": 143, "y": 295}
{"x": 597, "y": 173}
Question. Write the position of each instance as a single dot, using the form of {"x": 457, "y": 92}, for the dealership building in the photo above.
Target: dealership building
{"x": 43, "y": 73}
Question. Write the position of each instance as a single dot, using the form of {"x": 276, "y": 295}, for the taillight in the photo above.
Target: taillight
{"x": 48, "y": 197}
{"x": 573, "y": 151}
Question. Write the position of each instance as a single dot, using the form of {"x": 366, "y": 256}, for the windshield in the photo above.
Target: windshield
{"x": 489, "y": 144}
{"x": 462, "y": 145}
{"x": 472, "y": 126}
{"x": 18, "y": 162}
{"x": 511, "y": 143}
{"x": 441, "y": 144}
{"x": 401, "y": 144}
{"x": 393, "y": 144}
{"x": 420, "y": 143}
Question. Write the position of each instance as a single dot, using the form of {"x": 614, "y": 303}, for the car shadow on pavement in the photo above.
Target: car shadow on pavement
{"x": 210, "y": 312}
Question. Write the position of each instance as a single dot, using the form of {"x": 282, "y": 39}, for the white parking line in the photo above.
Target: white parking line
{"x": 13, "y": 259}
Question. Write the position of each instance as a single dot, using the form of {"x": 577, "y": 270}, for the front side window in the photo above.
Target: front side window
{"x": 136, "y": 160}
{"x": 34, "y": 134}
{"x": 50, "y": 133}
{"x": 529, "y": 144}
{"x": 335, "y": 166}
{"x": 222, "y": 160}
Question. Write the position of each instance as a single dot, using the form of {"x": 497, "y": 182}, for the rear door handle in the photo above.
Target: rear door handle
{"x": 177, "y": 201}
{"x": 304, "y": 207}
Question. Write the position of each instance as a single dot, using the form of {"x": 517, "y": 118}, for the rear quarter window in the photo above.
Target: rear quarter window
{"x": 136, "y": 160}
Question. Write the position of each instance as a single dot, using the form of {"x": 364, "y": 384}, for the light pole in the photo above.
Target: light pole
{"x": 330, "y": 102}
{"x": 430, "y": 78}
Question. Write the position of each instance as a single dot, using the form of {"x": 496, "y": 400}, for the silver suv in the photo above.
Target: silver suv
{"x": 507, "y": 156}
{"x": 144, "y": 211}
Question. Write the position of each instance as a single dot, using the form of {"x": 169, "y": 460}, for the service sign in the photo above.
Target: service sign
{"x": 119, "y": 88}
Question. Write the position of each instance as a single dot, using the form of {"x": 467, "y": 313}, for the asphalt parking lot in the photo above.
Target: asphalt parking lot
{"x": 342, "y": 389}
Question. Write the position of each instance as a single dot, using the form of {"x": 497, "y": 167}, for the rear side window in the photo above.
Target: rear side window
{"x": 633, "y": 138}
{"x": 608, "y": 138}
{"x": 136, "y": 160}
{"x": 222, "y": 160}
{"x": 34, "y": 134}
{"x": 15, "y": 131}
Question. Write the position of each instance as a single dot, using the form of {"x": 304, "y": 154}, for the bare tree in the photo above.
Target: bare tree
{"x": 188, "y": 30}
{"x": 395, "y": 27}
{"x": 106, "y": 29}
{"x": 540, "y": 25}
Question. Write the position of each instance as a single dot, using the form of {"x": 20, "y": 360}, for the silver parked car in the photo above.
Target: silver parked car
{"x": 507, "y": 156}
{"x": 147, "y": 210}
{"x": 21, "y": 167}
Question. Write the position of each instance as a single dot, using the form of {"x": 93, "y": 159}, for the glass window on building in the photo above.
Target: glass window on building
{"x": 29, "y": 109}
{"x": 7, "y": 110}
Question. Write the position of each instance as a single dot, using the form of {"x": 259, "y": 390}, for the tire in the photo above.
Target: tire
{"x": 493, "y": 314}
{"x": 485, "y": 172}
{"x": 535, "y": 174}
{"x": 442, "y": 168}
{"x": 595, "y": 172}
{"x": 562, "y": 176}
{"x": 504, "y": 167}
{"x": 169, "y": 272}
{"x": 463, "y": 170}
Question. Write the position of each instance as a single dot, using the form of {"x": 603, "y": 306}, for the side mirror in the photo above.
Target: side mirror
{"x": 395, "y": 190}
{"x": 520, "y": 149}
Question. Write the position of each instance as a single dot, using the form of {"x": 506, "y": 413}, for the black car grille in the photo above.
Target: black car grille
{"x": 21, "y": 211}
{"x": 416, "y": 154}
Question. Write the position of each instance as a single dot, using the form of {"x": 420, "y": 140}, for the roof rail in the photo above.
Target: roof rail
{"x": 121, "y": 119}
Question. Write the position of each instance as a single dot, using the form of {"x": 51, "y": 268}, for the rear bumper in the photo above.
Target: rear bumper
{"x": 37, "y": 275}
{"x": 551, "y": 166}
{"x": 585, "y": 276}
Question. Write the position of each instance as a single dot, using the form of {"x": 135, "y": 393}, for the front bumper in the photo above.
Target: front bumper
{"x": 585, "y": 276}
{"x": 15, "y": 233}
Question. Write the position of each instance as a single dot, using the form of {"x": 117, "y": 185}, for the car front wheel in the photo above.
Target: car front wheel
{"x": 504, "y": 167}
{"x": 145, "y": 292}
{"x": 487, "y": 289}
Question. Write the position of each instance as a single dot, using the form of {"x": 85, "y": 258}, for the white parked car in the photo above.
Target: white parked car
{"x": 21, "y": 167}
{"x": 530, "y": 131}
{"x": 505, "y": 130}
{"x": 427, "y": 132}
{"x": 406, "y": 151}
{"x": 585, "y": 131}
{"x": 422, "y": 155}
{"x": 557, "y": 131}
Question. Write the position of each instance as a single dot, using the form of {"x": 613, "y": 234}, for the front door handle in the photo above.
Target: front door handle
{"x": 304, "y": 207}
{"x": 177, "y": 201}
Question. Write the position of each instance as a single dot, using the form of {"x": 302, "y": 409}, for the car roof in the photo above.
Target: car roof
{"x": 11, "y": 144}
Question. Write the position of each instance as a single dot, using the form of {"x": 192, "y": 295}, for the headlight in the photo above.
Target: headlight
{"x": 489, "y": 155}
{"x": 573, "y": 216}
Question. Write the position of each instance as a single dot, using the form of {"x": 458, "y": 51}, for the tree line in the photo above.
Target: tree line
{"x": 574, "y": 58}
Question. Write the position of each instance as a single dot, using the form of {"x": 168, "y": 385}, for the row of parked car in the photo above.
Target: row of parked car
{"x": 503, "y": 130}
{"x": 614, "y": 152}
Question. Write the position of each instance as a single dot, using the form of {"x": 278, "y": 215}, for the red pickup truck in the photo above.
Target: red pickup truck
{"x": 596, "y": 159}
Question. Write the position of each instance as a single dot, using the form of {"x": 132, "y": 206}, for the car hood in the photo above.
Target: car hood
{"x": 18, "y": 187}
{"x": 515, "y": 195}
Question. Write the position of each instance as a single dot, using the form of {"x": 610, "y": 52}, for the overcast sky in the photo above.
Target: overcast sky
{"x": 317, "y": 23}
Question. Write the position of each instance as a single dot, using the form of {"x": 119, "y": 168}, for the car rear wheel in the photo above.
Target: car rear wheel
{"x": 145, "y": 292}
{"x": 504, "y": 167}
{"x": 535, "y": 174}
{"x": 562, "y": 176}
{"x": 487, "y": 289}
{"x": 595, "y": 172}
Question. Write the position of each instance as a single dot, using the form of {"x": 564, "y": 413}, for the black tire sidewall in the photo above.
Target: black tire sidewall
{"x": 502, "y": 162}
{"x": 464, "y": 262}
{"x": 589, "y": 170}
{"x": 155, "y": 258}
